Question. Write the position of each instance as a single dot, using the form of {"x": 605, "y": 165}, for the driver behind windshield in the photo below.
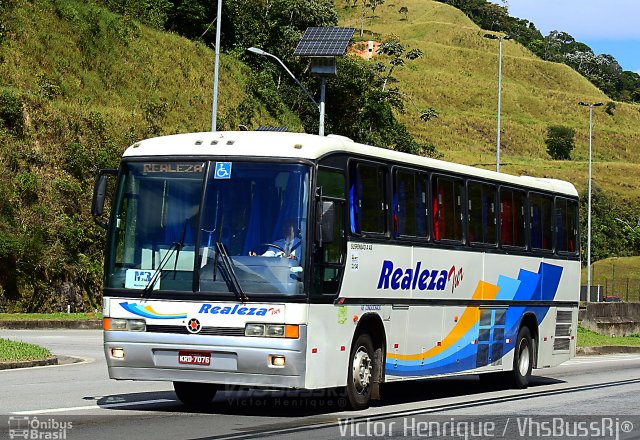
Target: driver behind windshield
{"x": 288, "y": 246}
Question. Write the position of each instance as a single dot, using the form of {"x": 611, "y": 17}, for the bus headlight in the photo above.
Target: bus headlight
{"x": 273, "y": 330}
{"x": 254, "y": 330}
{"x": 137, "y": 325}
{"x": 118, "y": 324}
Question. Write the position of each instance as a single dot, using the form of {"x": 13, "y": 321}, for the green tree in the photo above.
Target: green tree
{"x": 560, "y": 142}
{"x": 611, "y": 106}
{"x": 397, "y": 56}
{"x": 608, "y": 235}
{"x": 356, "y": 92}
{"x": 373, "y": 4}
{"x": 428, "y": 114}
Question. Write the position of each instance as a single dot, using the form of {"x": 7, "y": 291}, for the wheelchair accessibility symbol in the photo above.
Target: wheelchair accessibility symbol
{"x": 223, "y": 170}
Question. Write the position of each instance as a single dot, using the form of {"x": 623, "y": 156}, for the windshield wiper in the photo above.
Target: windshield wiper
{"x": 175, "y": 246}
{"x": 152, "y": 281}
{"x": 179, "y": 246}
{"x": 229, "y": 273}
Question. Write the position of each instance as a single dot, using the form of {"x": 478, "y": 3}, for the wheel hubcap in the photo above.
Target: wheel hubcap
{"x": 361, "y": 370}
{"x": 524, "y": 358}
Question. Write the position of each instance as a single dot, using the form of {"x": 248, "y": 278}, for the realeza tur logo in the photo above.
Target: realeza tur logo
{"x": 418, "y": 278}
{"x": 238, "y": 310}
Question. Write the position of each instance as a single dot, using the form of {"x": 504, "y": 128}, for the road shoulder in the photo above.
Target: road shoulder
{"x": 606, "y": 349}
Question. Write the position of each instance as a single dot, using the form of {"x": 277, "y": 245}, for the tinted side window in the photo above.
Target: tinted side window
{"x": 447, "y": 208}
{"x": 482, "y": 213}
{"x": 367, "y": 199}
{"x": 332, "y": 183}
{"x": 512, "y": 218}
{"x": 329, "y": 258}
{"x": 566, "y": 225}
{"x": 410, "y": 204}
{"x": 541, "y": 221}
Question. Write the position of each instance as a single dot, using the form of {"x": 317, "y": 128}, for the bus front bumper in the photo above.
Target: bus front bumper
{"x": 234, "y": 360}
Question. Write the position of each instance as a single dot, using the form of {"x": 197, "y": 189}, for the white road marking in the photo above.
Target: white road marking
{"x": 90, "y": 407}
{"x": 597, "y": 359}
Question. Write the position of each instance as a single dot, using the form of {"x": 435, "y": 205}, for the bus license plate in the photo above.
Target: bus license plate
{"x": 194, "y": 358}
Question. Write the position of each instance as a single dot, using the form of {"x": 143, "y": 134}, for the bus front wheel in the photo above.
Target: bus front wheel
{"x": 522, "y": 359}
{"x": 194, "y": 394}
{"x": 360, "y": 375}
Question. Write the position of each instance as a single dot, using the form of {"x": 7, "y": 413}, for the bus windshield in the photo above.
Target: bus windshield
{"x": 246, "y": 229}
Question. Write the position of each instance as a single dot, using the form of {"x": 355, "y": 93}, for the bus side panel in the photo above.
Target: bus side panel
{"x": 443, "y": 337}
{"x": 329, "y": 330}
{"x": 442, "y": 333}
{"x": 332, "y": 330}
{"x": 545, "y": 354}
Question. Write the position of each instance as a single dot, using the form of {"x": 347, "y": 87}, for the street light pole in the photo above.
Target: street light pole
{"x": 216, "y": 68}
{"x": 319, "y": 106}
{"x": 591, "y": 106}
{"x": 499, "y": 38}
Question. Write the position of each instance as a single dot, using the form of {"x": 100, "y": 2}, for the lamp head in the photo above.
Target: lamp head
{"x": 256, "y": 50}
{"x": 595, "y": 104}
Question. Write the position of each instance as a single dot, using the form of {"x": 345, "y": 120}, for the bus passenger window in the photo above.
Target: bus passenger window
{"x": 482, "y": 213}
{"x": 541, "y": 222}
{"x": 367, "y": 199}
{"x": 447, "y": 209}
{"x": 566, "y": 225}
{"x": 512, "y": 223}
{"x": 410, "y": 205}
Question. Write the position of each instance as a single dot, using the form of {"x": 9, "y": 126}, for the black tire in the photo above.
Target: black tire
{"x": 194, "y": 394}
{"x": 522, "y": 359}
{"x": 360, "y": 372}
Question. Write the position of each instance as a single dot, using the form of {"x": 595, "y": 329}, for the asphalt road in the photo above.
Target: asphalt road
{"x": 584, "y": 390}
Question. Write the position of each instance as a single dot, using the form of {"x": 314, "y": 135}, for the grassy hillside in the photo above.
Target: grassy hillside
{"x": 614, "y": 268}
{"x": 457, "y": 75}
{"x": 619, "y": 276}
{"x": 78, "y": 84}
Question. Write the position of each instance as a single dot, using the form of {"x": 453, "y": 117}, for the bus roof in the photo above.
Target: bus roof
{"x": 306, "y": 146}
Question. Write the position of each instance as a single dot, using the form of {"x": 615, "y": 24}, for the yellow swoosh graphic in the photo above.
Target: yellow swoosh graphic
{"x": 468, "y": 319}
{"x": 148, "y": 308}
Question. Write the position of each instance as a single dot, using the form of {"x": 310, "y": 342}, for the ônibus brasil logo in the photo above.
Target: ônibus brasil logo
{"x": 418, "y": 278}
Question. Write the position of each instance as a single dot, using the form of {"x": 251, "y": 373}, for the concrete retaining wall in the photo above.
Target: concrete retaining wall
{"x": 51, "y": 324}
{"x": 613, "y": 319}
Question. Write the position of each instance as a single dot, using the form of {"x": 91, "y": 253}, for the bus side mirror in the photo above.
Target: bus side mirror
{"x": 326, "y": 221}
{"x": 99, "y": 194}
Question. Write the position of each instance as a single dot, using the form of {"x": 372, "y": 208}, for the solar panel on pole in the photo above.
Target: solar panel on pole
{"x": 324, "y": 42}
{"x": 322, "y": 45}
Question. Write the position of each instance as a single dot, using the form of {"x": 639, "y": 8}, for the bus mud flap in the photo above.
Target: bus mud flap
{"x": 377, "y": 374}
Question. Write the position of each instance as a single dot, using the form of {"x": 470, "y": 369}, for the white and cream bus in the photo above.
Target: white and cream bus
{"x": 402, "y": 267}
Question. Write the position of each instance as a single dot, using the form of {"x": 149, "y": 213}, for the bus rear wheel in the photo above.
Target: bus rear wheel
{"x": 194, "y": 394}
{"x": 522, "y": 359}
{"x": 360, "y": 375}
